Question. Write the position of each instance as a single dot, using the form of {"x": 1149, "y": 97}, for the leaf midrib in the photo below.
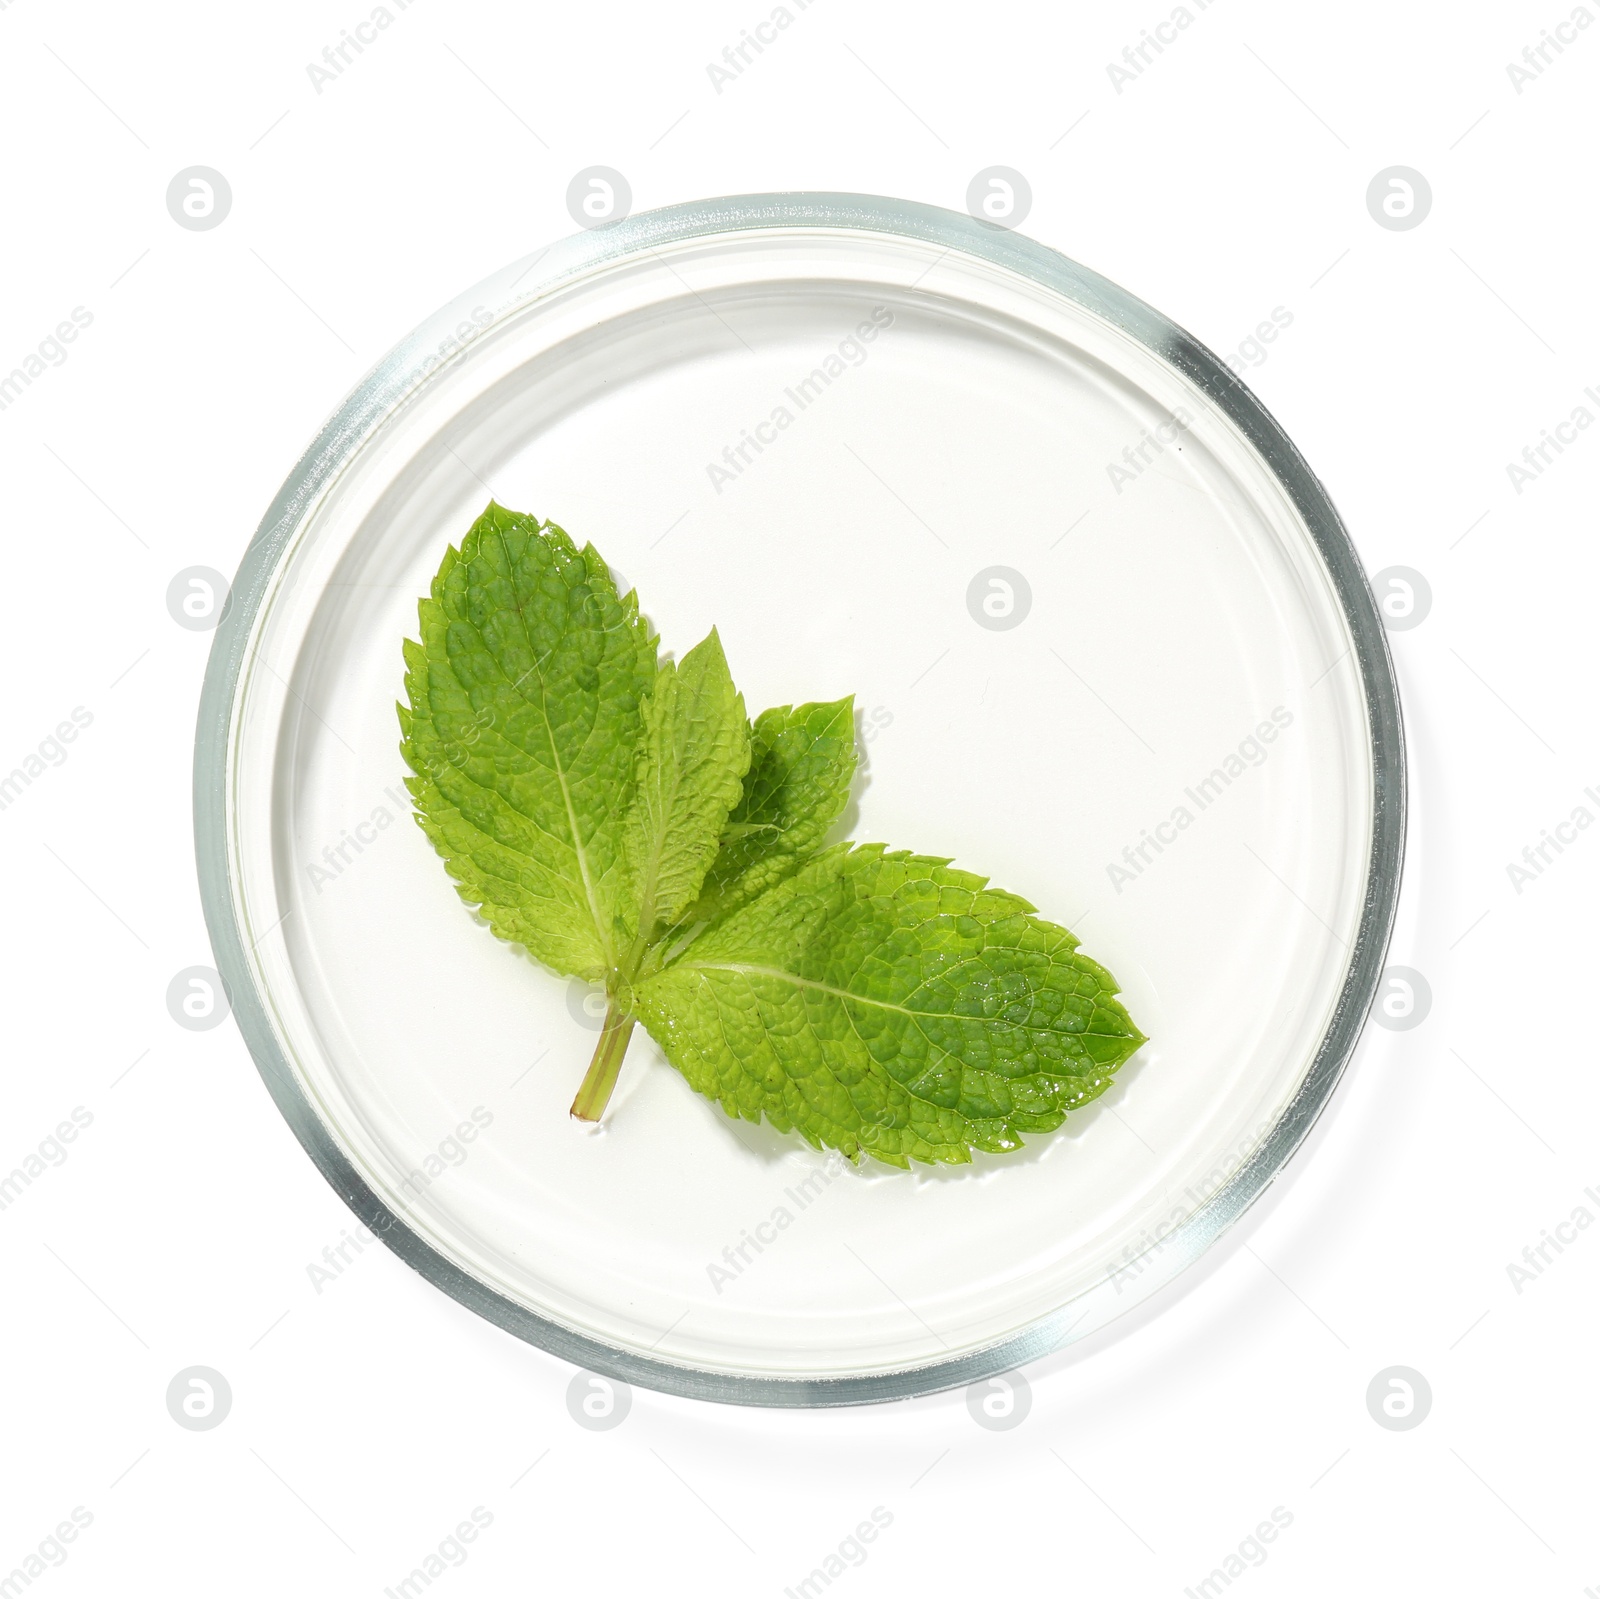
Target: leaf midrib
{"x": 578, "y": 849}
{"x": 744, "y": 969}
{"x": 659, "y": 829}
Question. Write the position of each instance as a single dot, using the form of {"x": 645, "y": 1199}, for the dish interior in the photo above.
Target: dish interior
{"x": 815, "y": 440}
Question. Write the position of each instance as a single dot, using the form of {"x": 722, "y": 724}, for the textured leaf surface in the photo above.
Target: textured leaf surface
{"x": 888, "y": 1003}
{"x": 624, "y": 822}
{"x": 692, "y": 763}
{"x": 802, "y": 762}
{"x": 524, "y": 719}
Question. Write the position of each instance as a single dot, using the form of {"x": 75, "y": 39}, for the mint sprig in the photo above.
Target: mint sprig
{"x": 621, "y": 819}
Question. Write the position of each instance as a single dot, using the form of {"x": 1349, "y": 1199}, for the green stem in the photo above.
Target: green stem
{"x": 595, "y": 1091}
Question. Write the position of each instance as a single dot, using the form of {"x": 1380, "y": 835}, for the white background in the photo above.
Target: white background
{"x": 1228, "y": 179}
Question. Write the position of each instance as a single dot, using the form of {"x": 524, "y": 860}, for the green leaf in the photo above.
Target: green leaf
{"x": 802, "y": 761}
{"x": 525, "y": 713}
{"x": 888, "y": 1003}
{"x": 621, "y": 820}
{"x": 692, "y": 763}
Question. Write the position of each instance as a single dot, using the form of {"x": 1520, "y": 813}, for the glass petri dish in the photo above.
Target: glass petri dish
{"x": 1111, "y": 647}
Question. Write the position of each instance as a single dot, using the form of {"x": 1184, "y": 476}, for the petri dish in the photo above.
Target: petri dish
{"x": 1110, "y": 644}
